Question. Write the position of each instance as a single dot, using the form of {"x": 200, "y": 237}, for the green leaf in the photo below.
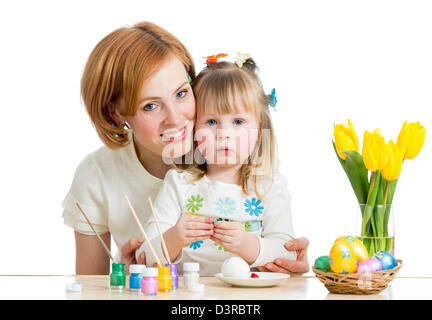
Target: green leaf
{"x": 357, "y": 174}
{"x": 391, "y": 191}
{"x": 342, "y": 161}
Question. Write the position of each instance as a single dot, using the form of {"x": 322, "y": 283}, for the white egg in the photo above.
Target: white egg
{"x": 235, "y": 267}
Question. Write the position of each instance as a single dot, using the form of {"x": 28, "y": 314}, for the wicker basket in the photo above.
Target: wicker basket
{"x": 357, "y": 283}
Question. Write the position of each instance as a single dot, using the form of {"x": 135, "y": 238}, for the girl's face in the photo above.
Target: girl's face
{"x": 164, "y": 120}
{"x": 226, "y": 139}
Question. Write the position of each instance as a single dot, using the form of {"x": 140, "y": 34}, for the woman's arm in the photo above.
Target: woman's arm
{"x": 91, "y": 257}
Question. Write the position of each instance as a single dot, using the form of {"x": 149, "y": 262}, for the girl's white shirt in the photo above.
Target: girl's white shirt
{"x": 270, "y": 219}
{"x": 100, "y": 184}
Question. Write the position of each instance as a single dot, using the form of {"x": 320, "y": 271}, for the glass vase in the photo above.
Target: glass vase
{"x": 375, "y": 227}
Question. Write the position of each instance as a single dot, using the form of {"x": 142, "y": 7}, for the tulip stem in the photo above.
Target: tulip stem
{"x": 386, "y": 192}
{"x": 370, "y": 203}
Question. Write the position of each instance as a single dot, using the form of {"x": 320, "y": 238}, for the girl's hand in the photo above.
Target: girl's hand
{"x": 188, "y": 229}
{"x": 233, "y": 236}
{"x": 191, "y": 228}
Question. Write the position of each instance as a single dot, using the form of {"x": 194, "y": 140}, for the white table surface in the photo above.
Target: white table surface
{"x": 98, "y": 288}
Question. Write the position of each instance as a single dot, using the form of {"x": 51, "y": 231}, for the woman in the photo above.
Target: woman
{"x": 136, "y": 90}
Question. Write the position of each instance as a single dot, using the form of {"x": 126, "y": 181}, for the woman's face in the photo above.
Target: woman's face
{"x": 164, "y": 120}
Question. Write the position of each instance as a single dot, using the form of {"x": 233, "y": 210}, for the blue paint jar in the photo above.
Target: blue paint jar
{"x": 135, "y": 277}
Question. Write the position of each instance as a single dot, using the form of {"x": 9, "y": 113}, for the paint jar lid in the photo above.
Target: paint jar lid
{"x": 136, "y": 268}
{"x": 163, "y": 271}
{"x": 191, "y": 266}
{"x": 150, "y": 272}
{"x": 118, "y": 267}
{"x": 74, "y": 286}
{"x": 173, "y": 267}
{"x": 196, "y": 287}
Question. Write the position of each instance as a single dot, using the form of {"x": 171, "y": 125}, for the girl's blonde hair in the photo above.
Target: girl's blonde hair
{"x": 118, "y": 66}
{"x": 216, "y": 89}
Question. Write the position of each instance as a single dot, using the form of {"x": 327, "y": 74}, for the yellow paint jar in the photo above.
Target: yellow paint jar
{"x": 164, "y": 279}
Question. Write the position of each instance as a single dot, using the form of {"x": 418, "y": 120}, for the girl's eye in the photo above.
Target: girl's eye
{"x": 149, "y": 107}
{"x": 211, "y": 122}
{"x": 181, "y": 94}
{"x": 238, "y": 122}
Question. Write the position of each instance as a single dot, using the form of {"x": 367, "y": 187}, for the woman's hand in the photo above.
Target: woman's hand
{"x": 233, "y": 237}
{"x": 128, "y": 253}
{"x": 294, "y": 268}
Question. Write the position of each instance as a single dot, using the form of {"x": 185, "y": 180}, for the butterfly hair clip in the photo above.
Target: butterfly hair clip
{"x": 272, "y": 99}
{"x": 241, "y": 58}
{"x": 214, "y": 58}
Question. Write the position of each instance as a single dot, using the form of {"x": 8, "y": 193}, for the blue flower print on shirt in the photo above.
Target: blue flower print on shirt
{"x": 225, "y": 206}
{"x": 195, "y": 245}
{"x": 253, "y": 207}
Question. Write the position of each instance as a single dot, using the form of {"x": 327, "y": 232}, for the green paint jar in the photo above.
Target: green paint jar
{"x": 118, "y": 276}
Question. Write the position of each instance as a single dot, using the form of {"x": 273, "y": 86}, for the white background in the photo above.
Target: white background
{"x": 369, "y": 61}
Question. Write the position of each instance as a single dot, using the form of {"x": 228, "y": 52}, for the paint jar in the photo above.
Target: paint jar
{"x": 135, "y": 277}
{"x": 174, "y": 275}
{"x": 117, "y": 276}
{"x": 190, "y": 273}
{"x": 149, "y": 282}
{"x": 164, "y": 279}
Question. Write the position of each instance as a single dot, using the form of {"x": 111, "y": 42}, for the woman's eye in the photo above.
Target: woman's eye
{"x": 149, "y": 107}
{"x": 238, "y": 122}
{"x": 181, "y": 94}
{"x": 211, "y": 122}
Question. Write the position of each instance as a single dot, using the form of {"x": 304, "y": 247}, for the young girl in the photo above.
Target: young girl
{"x": 233, "y": 181}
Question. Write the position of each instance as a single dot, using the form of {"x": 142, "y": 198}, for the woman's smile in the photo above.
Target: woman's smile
{"x": 175, "y": 135}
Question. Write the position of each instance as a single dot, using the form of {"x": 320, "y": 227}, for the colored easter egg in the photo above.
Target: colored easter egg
{"x": 341, "y": 259}
{"x": 386, "y": 259}
{"x": 357, "y": 247}
{"x": 322, "y": 263}
{"x": 369, "y": 266}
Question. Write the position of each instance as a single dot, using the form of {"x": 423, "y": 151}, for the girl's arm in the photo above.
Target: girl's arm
{"x": 233, "y": 237}
{"x": 277, "y": 224}
{"x": 91, "y": 258}
{"x": 179, "y": 231}
{"x": 277, "y": 229}
{"x": 188, "y": 229}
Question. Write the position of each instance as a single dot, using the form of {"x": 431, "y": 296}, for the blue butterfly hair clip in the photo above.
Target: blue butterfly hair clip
{"x": 272, "y": 99}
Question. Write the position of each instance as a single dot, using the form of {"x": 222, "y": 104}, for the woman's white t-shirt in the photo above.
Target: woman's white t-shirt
{"x": 100, "y": 184}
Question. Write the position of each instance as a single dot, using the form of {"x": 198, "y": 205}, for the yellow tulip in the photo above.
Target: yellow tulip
{"x": 411, "y": 139}
{"x": 345, "y": 138}
{"x": 394, "y": 165}
{"x": 367, "y": 135}
{"x": 375, "y": 151}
